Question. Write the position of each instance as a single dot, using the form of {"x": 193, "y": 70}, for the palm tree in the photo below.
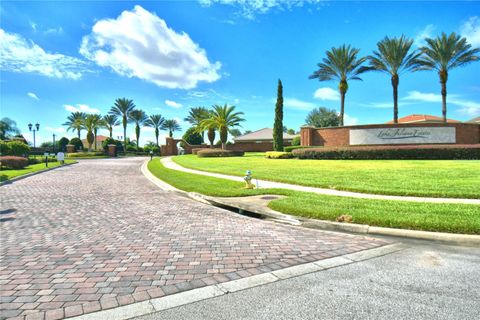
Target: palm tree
{"x": 223, "y": 119}
{"x": 75, "y": 122}
{"x": 110, "y": 121}
{"x": 209, "y": 127}
{"x": 195, "y": 116}
{"x": 341, "y": 64}
{"x": 155, "y": 121}
{"x": 92, "y": 123}
{"x": 139, "y": 117}
{"x": 393, "y": 57}
{"x": 122, "y": 108}
{"x": 443, "y": 54}
{"x": 171, "y": 125}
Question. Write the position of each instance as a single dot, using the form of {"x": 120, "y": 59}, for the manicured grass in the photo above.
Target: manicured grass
{"x": 455, "y": 218}
{"x": 9, "y": 174}
{"x": 429, "y": 178}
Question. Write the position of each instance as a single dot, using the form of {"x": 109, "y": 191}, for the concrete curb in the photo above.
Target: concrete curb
{"x": 212, "y": 291}
{"x": 34, "y": 173}
{"x": 452, "y": 238}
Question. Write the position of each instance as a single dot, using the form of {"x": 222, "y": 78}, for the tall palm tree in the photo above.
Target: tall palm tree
{"x": 393, "y": 57}
{"x": 223, "y": 118}
{"x": 443, "y": 54}
{"x": 155, "y": 121}
{"x": 139, "y": 117}
{"x": 75, "y": 122}
{"x": 171, "y": 125}
{"x": 121, "y": 108}
{"x": 195, "y": 116}
{"x": 110, "y": 121}
{"x": 92, "y": 123}
{"x": 341, "y": 64}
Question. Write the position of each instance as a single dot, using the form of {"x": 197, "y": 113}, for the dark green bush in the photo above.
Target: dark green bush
{"x": 17, "y": 148}
{"x": 4, "y": 148}
{"x": 391, "y": 153}
{"x": 211, "y": 153}
{"x": 151, "y": 147}
{"x": 77, "y": 143}
{"x": 13, "y": 162}
{"x": 291, "y": 148}
{"x": 62, "y": 144}
{"x": 192, "y": 137}
{"x": 296, "y": 141}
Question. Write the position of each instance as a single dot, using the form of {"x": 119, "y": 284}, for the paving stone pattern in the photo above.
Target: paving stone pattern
{"x": 98, "y": 234}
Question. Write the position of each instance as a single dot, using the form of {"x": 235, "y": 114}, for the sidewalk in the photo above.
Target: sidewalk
{"x": 168, "y": 163}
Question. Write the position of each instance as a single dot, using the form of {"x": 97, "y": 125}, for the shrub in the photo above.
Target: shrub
{"x": 77, "y": 143}
{"x": 192, "y": 137}
{"x": 13, "y": 162}
{"x": 296, "y": 141}
{"x": 278, "y": 155}
{"x": 84, "y": 154}
{"x": 211, "y": 153}
{"x": 17, "y": 148}
{"x": 41, "y": 160}
{"x": 131, "y": 148}
{"x": 151, "y": 147}
{"x": 62, "y": 144}
{"x": 4, "y": 148}
{"x": 430, "y": 152}
{"x": 195, "y": 150}
{"x": 291, "y": 148}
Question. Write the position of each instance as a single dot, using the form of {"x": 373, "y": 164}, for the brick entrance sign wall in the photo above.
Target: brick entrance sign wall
{"x": 462, "y": 133}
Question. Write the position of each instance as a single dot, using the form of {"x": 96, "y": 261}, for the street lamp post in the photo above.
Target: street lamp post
{"x": 35, "y": 129}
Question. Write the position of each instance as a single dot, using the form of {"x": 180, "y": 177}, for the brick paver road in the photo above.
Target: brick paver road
{"x": 97, "y": 235}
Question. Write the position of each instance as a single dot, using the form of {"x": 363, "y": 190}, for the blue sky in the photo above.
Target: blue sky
{"x": 58, "y": 57}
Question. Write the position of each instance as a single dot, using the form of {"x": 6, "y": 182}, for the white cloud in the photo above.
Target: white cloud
{"x": 426, "y": 32}
{"x": 18, "y": 54}
{"x": 294, "y": 103}
{"x": 33, "y": 96}
{"x": 471, "y": 30}
{"x": 58, "y": 30}
{"x": 80, "y": 108}
{"x": 327, "y": 94}
{"x": 349, "y": 121}
{"x": 250, "y": 8}
{"x": 140, "y": 44}
{"x": 56, "y": 130}
{"x": 173, "y": 104}
{"x": 467, "y": 107}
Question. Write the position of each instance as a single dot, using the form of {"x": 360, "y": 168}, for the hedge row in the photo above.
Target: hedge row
{"x": 84, "y": 154}
{"x": 211, "y": 153}
{"x": 392, "y": 153}
{"x": 13, "y": 162}
{"x": 291, "y": 148}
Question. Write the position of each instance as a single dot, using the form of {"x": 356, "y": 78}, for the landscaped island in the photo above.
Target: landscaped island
{"x": 455, "y": 218}
{"x": 428, "y": 178}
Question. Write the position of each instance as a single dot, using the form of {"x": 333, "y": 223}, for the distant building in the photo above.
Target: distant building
{"x": 419, "y": 118}
{"x": 100, "y": 140}
{"x": 474, "y": 120}
{"x": 263, "y": 135}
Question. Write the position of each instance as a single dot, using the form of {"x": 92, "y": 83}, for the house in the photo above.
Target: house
{"x": 259, "y": 141}
{"x": 474, "y": 120}
{"x": 100, "y": 140}
{"x": 419, "y": 118}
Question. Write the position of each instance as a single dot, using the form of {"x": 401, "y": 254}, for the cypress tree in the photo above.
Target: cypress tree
{"x": 278, "y": 124}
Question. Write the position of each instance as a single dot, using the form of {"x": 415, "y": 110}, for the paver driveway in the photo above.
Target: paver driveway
{"x": 98, "y": 234}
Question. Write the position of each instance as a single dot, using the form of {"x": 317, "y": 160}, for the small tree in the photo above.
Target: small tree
{"x": 77, "y": 143}
{"x": 323, "y": 117}
{"x": 278, "y": 123}
{"x": 191, "y": 136}
{"x": 62, "y": 143}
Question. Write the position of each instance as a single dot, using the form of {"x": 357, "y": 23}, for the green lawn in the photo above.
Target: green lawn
{"x": 455, "y": 218}
{"x": 430, "y": 178}
{"x": 9, "y": 174}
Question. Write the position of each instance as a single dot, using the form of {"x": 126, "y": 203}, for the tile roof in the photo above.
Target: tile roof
{"x": 421, "y": 118}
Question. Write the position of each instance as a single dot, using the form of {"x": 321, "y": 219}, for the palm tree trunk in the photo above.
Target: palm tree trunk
{"x": 110, "y": 130}
{"x": 156, "y": 136}
{"x": 78, "y": 133}
{"x": 95, "y": 138}
{"x": 444, "y": 100}
{"x": 395, "y": 82}
{"x": 124, "y": 133}
{"x": 342, "y": 107}
{"x": 137, "y": 133}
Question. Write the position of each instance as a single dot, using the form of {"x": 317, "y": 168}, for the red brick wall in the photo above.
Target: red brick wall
{"x": 466, "y": 133}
